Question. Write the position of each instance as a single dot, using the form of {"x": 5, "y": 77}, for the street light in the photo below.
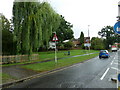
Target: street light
{"x": 88, "y": 36}
{"x": 88, "y": 30}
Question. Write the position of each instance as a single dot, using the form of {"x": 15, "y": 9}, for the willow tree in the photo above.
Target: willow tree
{"x": 50, "y": 22}
{"x": 25, "y": 29}
{"x": 33, "y": 23}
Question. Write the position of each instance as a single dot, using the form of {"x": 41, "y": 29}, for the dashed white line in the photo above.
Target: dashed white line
{"x": 104, "y": 74}
{"x": 112, "y": 62}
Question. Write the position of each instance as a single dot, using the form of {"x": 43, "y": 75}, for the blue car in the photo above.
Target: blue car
{"x": 104, "y": 54}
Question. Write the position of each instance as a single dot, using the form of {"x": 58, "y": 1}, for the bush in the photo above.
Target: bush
{"x": 68, "y": 45}
{"x": 60, "y": 46}
{"x": 98, "y": 47}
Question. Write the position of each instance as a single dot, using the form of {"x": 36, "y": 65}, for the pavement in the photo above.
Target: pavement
{"x": 23, "y": 74}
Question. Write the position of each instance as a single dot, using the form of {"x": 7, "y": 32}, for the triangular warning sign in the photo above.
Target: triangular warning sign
{"x": 55, "y": 38}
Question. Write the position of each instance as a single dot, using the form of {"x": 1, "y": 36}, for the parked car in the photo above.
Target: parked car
{"x": 104, "y": 54}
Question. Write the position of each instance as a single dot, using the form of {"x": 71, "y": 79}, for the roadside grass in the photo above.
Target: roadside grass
{"x": 47, "y": 66}
{"x": 6, "y": 78}
{"x": 50, "y": 55}
{"x": 60, "y": 54}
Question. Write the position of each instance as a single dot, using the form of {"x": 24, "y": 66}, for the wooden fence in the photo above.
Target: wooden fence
{"x": 18, "y": 58}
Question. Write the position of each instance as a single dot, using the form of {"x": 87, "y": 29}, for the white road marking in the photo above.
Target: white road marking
{"x": 104, "y": 74}
{"x": 115, "y": 68}
{"x": 112, "y": 62}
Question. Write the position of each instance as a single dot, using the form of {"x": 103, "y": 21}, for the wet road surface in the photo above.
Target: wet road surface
{"x": 94, "y": 73}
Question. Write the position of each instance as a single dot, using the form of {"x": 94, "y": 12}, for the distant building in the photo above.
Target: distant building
{"x": 76, "y": 42}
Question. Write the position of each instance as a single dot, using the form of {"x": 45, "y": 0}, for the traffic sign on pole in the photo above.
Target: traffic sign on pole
{"x": 55, "y": 39}
{"x": 117, "y": 27}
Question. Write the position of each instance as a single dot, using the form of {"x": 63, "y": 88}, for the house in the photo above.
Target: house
{"x": 76, "y": 42}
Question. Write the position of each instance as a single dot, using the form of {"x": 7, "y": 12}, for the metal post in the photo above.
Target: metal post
{"x": 118, "y": 11}
{"x": 117, "y": 55}
{"x": 88, "y": 36}
{"x": 88, "y": 30}
{"x": 55, "y": 50}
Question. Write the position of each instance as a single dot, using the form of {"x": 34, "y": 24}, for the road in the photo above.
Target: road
{"x": 94, "y": 73}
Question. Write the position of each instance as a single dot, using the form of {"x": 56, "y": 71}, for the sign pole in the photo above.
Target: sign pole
{"x": 55, "y": 51}
{"x": 116, "y": 29}
{"x": 55, "y": 39}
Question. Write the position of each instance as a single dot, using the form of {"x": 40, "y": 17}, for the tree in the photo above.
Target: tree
{"x": 68, "y": 45}
{"x": 97, "y": 43}
{"x": 81, "y": 38}
{"x": 7, "y": 36}
{"x": 64, "y": 31}
{"x": 34, "y": 24}
{"x": 109, "y": 35}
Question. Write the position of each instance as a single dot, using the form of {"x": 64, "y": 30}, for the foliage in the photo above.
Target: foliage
{"x": 34, "y": 24}
{"x": 68, "y": 45}
{"x": 82, "y": 38}
{"x": 7, "y": 37}
{"x": 64, "y": 31}
{"x": 110, "y": 36}
{"x": 97, "y": 43}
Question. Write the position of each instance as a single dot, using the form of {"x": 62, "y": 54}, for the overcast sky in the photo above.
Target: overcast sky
{"x": 80, "y": 13}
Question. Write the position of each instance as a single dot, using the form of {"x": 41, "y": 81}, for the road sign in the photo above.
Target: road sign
{"x": 117, "y": 27}
{"x": 87, "y": 41}
{"x": 55, "y": 38}
{"x": 87, "y": 44}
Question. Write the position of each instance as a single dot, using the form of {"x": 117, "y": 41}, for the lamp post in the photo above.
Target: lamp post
{"x": 88, "y": 30}
{"x": 89, "y": 36}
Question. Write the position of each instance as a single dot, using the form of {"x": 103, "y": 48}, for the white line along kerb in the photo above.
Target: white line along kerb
{"x": 104, "y": 74}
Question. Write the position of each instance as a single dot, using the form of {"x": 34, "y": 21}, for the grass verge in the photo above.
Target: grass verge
{"x": 6, "y": 78}
{"x": 51, "y": 54}
{"x": 47, "y": 66}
